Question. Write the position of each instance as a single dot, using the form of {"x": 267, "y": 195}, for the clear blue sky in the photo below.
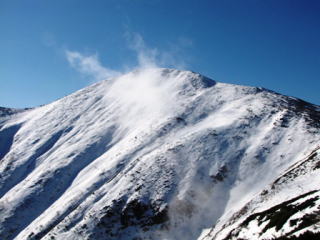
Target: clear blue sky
{"x": 270, "y": 43}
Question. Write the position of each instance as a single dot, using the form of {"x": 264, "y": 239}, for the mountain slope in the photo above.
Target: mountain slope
{"x": 285, "y": 209}
{"x": 153, "y": 154}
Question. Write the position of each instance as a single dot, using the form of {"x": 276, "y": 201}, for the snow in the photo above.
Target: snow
{"x": 170, "y": 139}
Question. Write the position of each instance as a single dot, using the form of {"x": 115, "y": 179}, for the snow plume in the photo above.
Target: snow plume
{"x": 90, "y": 66}
{"x": 146, "y": 57}
{"x": 144, "y": 96}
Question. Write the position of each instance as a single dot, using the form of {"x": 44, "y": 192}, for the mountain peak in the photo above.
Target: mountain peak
{"x": 172, "y": 75}
{"x": 156, "y": 154}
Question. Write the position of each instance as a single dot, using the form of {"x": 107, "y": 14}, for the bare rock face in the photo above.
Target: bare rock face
{"x": 161, "y": 154}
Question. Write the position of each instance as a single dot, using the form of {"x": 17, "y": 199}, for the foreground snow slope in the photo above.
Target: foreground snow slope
{"x": 156, "y": 154}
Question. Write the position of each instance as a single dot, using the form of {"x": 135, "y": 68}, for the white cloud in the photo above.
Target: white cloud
{"x": 90, "y": 66}
{"x": 147, "y": 57}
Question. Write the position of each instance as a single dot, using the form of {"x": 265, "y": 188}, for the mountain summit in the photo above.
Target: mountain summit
{"x": 161, "y": 154}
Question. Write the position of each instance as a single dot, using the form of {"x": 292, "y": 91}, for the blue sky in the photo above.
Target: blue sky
{"x": 51, "y": 48}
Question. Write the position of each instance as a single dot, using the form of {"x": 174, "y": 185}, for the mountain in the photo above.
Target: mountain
{"x": 161, "y": 154}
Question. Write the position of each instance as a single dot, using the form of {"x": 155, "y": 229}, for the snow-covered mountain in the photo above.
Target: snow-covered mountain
{"x": 161, "y": 154}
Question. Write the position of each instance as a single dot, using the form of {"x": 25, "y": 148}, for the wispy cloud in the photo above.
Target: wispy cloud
{"x": 154, "y": 57}
{"x": 90, "y": 66}
{"x": 147, "y": 57}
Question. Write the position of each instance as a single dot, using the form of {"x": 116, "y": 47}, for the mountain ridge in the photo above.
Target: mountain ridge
{"x": 147, "y": 155}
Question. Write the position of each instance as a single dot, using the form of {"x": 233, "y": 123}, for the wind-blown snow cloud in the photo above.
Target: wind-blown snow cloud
{"x": 147, "y": 57}
{"x": 90, "y": 66}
